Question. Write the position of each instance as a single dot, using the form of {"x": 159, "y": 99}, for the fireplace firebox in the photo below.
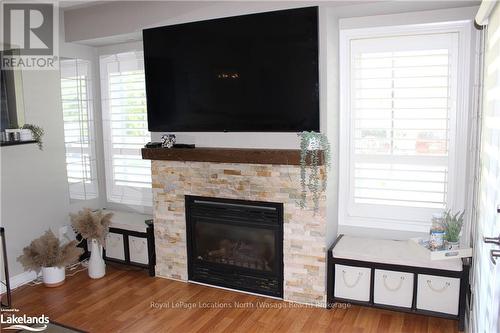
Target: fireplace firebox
{"x": 235, "y": 244}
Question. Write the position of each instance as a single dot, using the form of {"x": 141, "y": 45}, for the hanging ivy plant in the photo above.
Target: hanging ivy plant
{"x": 37, "y": 133}
{"x": 313, "y": 146}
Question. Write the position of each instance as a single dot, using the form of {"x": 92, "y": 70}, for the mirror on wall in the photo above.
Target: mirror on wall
{"x": 11, "y": 96}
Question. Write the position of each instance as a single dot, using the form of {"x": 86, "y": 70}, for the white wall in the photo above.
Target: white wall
{"x": 34, "y": 190}
{"x": 33, "y": 186}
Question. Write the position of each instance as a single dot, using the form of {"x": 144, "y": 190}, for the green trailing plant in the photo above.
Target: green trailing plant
{"x": 313, "y": 147}
{"x": 452, "y": 225}
{"x": 37, "y": 133}
{"x": 47, "y": 251}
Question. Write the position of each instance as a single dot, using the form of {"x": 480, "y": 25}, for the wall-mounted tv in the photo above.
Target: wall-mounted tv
{"x": 250, "y": 73}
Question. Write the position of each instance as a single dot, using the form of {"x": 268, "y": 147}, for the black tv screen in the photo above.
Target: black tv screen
{"x": 250, "y": 73}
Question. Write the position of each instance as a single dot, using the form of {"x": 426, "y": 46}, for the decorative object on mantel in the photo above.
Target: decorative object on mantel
{"x": 48, "y": 255}
{"x": 93, "y": 226}
{"x": 36, "y": 134}
{"x": 167, "y": 140}
{"x": 176, "y": 145}
{"x": 312, "y": 145}
{"x": 153, "y": 145}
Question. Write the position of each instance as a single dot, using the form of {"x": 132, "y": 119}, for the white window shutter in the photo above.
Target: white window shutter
{"x": 128, "y": 177}
{"x": 401, "y": 118}
{"x": 79, "y": 139}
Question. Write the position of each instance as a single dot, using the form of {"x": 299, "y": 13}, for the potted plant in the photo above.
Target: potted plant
{"x": 313, "y": 146}
{"x": 36, "y": 134}
{"x": 452, "y": 225}
{"x": 94, "y": 227}
{"x": 48, "y": 255}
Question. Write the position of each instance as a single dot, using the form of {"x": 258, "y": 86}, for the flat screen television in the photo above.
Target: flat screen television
{"x": 250, "y": 73}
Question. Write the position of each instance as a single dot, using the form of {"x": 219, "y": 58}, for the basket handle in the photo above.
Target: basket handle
{"x": 351, "y": 285}
{"x": 438, "y": 290}
{"x": 400, "y": 284}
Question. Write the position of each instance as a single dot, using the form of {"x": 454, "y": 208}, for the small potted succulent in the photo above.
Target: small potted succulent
{"x": 46, "y": 254}
{"x": 94, "y": 227}
{"x": 452, "y": 225}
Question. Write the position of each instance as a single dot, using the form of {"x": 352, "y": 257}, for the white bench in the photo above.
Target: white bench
{"x": 130, "y": 240}
{"x": 395, "y": 275}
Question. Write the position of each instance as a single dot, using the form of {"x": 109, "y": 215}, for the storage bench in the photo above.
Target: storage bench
{"x": 130, "y": 241}
{"x": 394, "y": 275}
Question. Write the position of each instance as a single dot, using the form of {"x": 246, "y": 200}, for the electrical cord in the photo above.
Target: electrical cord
{"x": 39, "y": 280}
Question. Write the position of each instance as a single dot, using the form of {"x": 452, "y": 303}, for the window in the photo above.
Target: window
{"x": 128, "y": 177}
{"x": 399, "y": 129}
{"x": 79, "y": 139}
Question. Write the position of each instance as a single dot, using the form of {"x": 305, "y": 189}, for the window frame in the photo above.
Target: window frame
{"x": 92, "y": 142}
{"x": 457, "y": 154}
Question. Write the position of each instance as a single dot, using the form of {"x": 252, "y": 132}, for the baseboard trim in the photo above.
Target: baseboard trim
{"x": 19, "y": 280}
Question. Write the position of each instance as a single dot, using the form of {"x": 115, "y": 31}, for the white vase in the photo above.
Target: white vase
{"x": 53, "y": 276}
{"x": 97, "y": 267}
{"x": 453, "y": 245}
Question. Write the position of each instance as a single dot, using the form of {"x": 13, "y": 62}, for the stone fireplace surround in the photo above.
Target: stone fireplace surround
{"x": 304, "y": 252}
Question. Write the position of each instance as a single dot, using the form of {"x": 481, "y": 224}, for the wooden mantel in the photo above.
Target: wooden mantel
{"x": 226, "y": 155}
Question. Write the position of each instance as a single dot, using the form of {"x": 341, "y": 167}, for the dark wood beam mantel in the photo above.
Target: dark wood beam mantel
{"x": 226, "y": 155}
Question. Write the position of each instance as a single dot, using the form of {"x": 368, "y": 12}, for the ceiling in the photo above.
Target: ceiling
{"x": 78, "y": 4}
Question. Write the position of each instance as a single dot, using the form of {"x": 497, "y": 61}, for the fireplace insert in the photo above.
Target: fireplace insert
{"x": 235, "y": 244}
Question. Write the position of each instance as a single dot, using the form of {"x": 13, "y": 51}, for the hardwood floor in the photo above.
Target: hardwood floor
{"x": 131, "y": 301}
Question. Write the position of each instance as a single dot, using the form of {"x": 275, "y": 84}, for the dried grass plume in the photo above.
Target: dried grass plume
{"x": 92, "y": 225}
{"x": 46, "y": 251}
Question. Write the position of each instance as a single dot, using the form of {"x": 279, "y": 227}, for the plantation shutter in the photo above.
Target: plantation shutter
{"x": 128, "y": 177}
{"x": 79, "y": 139}
{"x": 402, "y": 117}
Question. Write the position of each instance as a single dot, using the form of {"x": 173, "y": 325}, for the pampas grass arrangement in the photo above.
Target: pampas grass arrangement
{"x": 46, "y": 251}
{"x": 92, "y": 225}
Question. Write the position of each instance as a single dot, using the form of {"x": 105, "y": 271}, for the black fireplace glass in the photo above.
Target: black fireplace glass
{"x": 235, "y": 245}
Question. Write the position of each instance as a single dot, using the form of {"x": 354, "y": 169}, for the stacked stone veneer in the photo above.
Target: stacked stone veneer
{"x": 304, "y": 232}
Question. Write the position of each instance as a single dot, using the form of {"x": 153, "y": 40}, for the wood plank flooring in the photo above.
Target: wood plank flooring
{"x": 130, "y": 301}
